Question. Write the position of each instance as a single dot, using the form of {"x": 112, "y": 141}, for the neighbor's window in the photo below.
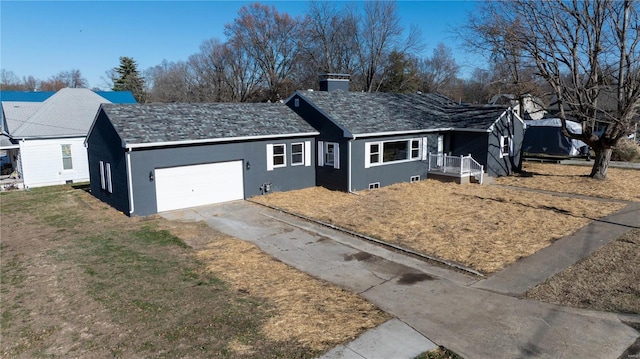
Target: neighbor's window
{"x": 279, "y": 156}
{"x": 329, "y": 154}
{"x": 297, "y": 154}
{"x": 67, "y": 162}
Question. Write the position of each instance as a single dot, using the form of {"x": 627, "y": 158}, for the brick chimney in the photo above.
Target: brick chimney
{"x": 332, "y": 82}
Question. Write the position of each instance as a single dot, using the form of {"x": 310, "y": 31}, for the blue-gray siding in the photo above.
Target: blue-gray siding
{"x": 390, "y": 173}
{"x": 103, "y": 145}
{"x": 253, "y": 152}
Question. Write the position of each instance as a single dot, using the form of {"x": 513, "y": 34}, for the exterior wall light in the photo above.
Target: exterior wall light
{"x": 150, "y": 176}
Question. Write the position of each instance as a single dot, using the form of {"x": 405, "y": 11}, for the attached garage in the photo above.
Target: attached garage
{"x": 150, "y": 158}
{"x": 198, "y": 185}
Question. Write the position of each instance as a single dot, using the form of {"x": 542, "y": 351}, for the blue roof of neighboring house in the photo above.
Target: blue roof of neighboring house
{"x": 125, "y": 97}
{"x": 41, "y": 96}
{"x": 25, "y": 96}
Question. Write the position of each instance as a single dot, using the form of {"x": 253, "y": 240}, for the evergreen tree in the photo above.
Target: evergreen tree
{"x": 127, "y": 78}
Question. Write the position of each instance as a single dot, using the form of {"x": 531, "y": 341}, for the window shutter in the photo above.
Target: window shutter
{"x": 336, "y": 156}
{"x": 425, "y": 149}
{"x": 269, "y": 157}
{"x": 102, "y": 182}
{"x": 511, "y": 145}
{"x": 108, "y": 175}
{"x": 367, "y": 155}
{"x": 320, "y": 153}
{"x": 307, "y": 153}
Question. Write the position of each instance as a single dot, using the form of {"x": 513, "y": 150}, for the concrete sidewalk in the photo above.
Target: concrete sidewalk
{"x": 438, "y": 303}
{"x": 528, "y": 272}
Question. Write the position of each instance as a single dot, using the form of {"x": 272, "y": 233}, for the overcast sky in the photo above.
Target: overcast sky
{"x": 42, "y": 39}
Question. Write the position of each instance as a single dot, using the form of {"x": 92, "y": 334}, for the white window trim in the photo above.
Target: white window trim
{"x": 303, "y": 153}
{"x": 421, "y": 152}
{"x": 70, "y": 156}
{"x": 502, "y": 144}
{"x": 374, "y": 185}
{"x": 270, "y": 155}
{"x": 415, "y": 178}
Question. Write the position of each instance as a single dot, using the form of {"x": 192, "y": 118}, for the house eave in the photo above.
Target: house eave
{"x": 217, "y": 140}
{"x": 397, "y": 133}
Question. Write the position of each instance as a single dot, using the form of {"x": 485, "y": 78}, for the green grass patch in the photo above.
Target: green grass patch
{"x": 121, "y": 286}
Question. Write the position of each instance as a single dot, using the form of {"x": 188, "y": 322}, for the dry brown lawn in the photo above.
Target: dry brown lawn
{"x": 306, "y": 310}
{"x": 621, "y": 183}
{"x": 608, "y": 280}
{"x": 482, "y": 227}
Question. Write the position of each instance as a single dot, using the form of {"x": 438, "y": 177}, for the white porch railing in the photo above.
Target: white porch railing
{"x": 456, "y": 165}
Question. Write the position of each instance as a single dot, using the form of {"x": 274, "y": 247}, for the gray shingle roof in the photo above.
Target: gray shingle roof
{"x": 366, "y": 113}
{"x": 180, "y": 122}
{"x": 69, "y": 112}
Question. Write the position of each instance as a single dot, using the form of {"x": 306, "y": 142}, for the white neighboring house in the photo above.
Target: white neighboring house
{"x": 45, "y": 140}
{"x": 533, "y": 106}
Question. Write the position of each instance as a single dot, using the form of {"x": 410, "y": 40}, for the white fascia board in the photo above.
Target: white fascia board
{"x": 399, "y": 133}
{"x": 473, "y": 129}
{"x": 217, "y": 140}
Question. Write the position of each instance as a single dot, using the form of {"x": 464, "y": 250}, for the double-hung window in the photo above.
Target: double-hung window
{"x": 279, "y": 156}
{"x": 297, "y": 154}
{"x": 67, "y": 160}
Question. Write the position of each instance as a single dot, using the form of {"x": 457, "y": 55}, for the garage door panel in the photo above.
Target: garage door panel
{"x": 198, "y": 185}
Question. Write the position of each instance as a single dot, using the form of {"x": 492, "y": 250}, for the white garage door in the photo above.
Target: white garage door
{"x": 190, "y": 186}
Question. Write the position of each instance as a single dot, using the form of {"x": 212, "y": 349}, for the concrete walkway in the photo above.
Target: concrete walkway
{"x": 440, "y": 305}
{"x": 530, "y": 271}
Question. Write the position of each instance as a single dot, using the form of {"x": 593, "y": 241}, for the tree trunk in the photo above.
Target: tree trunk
{"x": 601, "y": 163}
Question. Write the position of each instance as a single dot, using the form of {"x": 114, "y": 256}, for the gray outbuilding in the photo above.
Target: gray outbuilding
{"x": 149, "y": 158}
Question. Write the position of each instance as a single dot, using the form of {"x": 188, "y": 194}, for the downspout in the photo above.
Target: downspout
{"x": 349, "y": 168}
{"x": 129, "y": 181}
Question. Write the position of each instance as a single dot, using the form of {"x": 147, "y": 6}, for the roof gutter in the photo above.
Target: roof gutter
{"x": 216, "y": 140}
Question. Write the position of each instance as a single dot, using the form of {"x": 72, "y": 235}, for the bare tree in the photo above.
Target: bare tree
{"x": 10, "y": 81}
{"x": 30, "y": 83}
{"x": 169, "y": 82}
{"x": 586, "y": 51}
{"x": 512, "y": 73}
{"x": 379, "y": 32}
{"x": 72, "y": 78}
{"x": 438, "y": 70}
{"x": 270, "y": 38}
{"x": 328, "y": 35}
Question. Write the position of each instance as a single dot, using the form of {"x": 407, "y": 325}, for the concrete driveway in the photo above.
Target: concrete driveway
{"x": 439, "y": 304}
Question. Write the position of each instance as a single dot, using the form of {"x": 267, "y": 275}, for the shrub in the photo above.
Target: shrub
{"x": 626, "y": 150}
